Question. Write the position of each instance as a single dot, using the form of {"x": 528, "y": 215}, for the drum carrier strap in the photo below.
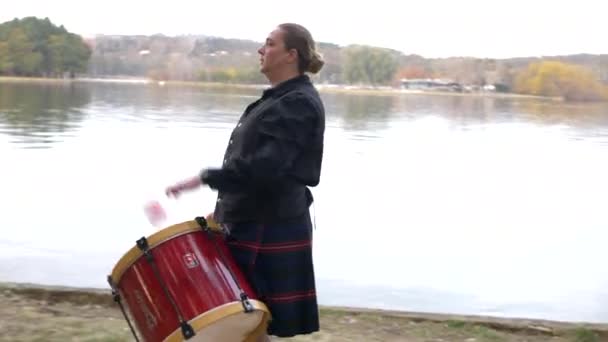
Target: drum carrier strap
{"x": 117, "y": 299}
{"x": 202, "y": 222}
{"x": 187, "y": 330}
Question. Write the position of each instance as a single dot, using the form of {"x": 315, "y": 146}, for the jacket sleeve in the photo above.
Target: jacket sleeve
{"x": 282, "y": 133}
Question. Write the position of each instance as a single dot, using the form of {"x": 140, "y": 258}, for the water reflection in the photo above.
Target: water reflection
{"x": 360, "y": 112}
{"x": 465, "y": 111}
{"x": 37, "y": 115}
{"x": 583, "y": 116}
{"x": 187, "y": 105}
{"x": 483, "y": 205}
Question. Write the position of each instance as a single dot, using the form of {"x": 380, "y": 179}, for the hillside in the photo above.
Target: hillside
{"x": 214, "y": 58}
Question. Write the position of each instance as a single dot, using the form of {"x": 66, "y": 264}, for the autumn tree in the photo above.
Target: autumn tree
{"x": 412, "y": 71}
{"x": 552, "y": 78}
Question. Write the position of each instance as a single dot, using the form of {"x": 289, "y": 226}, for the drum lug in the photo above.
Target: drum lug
{"x": 142, "y": 244}
{"x": 202, "y": 222}
{"x": 187, "y": 330}
{"x": 115, "y": 294}
{"x": 246, "y": 303}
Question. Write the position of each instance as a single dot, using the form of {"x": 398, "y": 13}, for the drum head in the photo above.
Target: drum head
{"x": 227, "y": 323}
{"x": 235, "y": 328}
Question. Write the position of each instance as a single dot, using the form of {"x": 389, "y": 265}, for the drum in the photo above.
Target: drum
{"x": 181, "y": 283}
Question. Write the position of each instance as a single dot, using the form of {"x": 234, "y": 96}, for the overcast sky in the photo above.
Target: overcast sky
{"x": 431, "y": 28}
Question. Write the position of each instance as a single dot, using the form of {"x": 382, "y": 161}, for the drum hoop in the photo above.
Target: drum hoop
{"x": 154, "y": 240}
{"x": 205, "y": 319}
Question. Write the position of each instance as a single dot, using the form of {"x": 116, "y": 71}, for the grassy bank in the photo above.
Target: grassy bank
{"x": 36, "y": 313}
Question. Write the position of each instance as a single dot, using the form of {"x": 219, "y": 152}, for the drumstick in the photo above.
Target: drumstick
{"x": 157, "y": 215}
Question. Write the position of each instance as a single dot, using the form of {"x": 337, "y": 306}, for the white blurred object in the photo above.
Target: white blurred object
{"x": 156, "y": 213}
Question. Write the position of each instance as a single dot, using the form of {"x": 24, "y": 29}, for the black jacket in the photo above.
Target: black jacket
{"x": 275, "y": 152}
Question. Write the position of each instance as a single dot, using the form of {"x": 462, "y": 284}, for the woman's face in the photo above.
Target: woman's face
{"x": 273, "y": 54}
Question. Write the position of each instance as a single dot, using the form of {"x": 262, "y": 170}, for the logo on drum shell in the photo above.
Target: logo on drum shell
{"x": 190, "y": 260}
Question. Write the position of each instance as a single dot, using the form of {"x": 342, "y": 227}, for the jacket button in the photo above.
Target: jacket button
{"x": 239, "y": 125}
{"x": 230, "y": 142}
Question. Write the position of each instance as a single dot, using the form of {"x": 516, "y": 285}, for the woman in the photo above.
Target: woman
{"x": 274, "y": 154}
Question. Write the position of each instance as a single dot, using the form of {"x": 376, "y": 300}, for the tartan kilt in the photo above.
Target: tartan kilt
{"x": 277, "y": 261}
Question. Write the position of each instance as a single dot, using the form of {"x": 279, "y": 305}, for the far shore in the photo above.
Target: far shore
{"x": 76, "y": 305}
{"x": 323, "y": 88}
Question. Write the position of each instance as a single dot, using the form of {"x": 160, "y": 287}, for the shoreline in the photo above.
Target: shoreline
{"x": 101, "y": 298}
{"x": 330, "y": 89}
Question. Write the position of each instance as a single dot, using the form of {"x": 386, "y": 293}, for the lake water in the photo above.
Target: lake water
{"x": 448, "y": 204}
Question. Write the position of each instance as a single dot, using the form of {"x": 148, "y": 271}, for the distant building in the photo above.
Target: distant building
{"x": 430, "y": 84}
{"x": 489, "y": 88}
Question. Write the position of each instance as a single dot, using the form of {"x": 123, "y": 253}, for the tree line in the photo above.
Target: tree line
{"x": 213, "y": 59}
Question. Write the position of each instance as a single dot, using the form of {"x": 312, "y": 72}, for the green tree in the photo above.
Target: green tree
{"x": 369, "y": 65}
{"x": 17, "y": 54}
{"x": 36, "y": 47}
{"x": 67, "y": 53}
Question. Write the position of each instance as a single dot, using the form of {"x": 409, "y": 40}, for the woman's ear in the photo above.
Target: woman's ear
{"x": 292, "y": 56}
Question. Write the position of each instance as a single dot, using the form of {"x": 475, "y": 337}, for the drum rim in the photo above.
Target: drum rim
{"x": 211, "y": 316}
{"x": 154, "y": 240}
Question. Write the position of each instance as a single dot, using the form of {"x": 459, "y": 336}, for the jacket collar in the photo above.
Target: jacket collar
{"x": 286, "y": 86}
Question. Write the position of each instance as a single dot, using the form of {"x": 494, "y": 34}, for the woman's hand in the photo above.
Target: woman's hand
{"x": 185, "y": 185}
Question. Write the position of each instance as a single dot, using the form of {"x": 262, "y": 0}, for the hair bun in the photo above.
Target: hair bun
{"x": 316, "y": 63}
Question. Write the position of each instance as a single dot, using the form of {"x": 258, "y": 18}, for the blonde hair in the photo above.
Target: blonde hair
{"x": 299, "y": 38}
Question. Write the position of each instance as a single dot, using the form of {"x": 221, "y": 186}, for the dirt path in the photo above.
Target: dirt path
{"x": 49, "y": 314}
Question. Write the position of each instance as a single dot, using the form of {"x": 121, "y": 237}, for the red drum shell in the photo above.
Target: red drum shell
{"x": 196, "y": 275}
